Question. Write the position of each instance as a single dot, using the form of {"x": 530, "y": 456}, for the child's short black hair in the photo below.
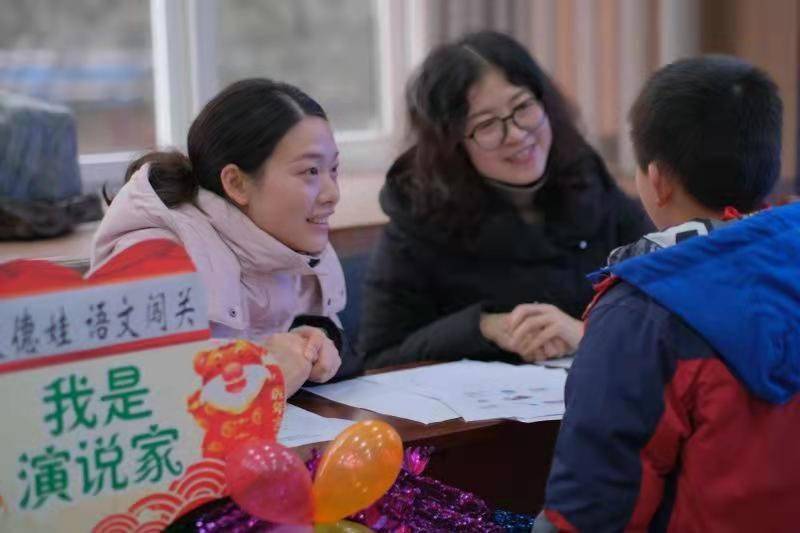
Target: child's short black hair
{"x": 715, "y": 122}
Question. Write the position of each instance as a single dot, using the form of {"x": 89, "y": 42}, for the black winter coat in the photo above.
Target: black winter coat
{"x": 424, "y": 291}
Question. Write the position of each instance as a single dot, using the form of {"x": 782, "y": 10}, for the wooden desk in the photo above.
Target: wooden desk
{"x": 504, "y": 462}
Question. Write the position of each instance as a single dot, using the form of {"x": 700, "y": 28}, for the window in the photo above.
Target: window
{"x": 94, "y": 56}
{"x": 329, "y": 48}
{"x": 135, "y": 73}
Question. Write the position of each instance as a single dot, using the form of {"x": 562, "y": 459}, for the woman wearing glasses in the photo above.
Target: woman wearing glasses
{"x": 497, "y": 213}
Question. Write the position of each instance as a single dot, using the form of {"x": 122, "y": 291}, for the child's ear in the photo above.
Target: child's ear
{"x": 662, "y": 182}
{"x": 236, "y": 184}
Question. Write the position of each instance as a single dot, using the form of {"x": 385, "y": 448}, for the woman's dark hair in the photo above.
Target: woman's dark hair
{"x": 241, "y": 125}
{"x": 715, "y": 122}
{"x": 443, "y": 185}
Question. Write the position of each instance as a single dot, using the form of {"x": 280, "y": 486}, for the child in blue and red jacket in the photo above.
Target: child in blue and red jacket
{"x": 683, "y": 412}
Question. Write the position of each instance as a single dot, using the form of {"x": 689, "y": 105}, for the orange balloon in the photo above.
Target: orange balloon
{"x": 357, "y": 468}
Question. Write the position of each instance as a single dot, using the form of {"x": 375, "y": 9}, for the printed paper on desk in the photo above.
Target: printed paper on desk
{"x": 479, "y": 390}
{"x": 539, "y": 419}
{"x": 387, "y": 400}
{"x": 561, "y": 362}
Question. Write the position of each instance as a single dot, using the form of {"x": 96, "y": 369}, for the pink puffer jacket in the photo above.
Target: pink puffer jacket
{"x": 255, "y": 285}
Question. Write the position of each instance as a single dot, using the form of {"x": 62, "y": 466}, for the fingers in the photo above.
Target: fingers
{"x": 557, "y": 347}
{"x": 573, "y": 333}
{"x": 286, "y": 352}
{"x": 534, "y": 348}
{"x": 523, "y": 311}
{"x": 314, "y": 341}
{"x": 307, "y": 346}
{"x": 314, "y": 346}
{"x": 529, "y": 321}
{"x": 289, "y": 344}
{"x": 551, "y": 349}
{"x": 564, "y": 348}
{"x": 296, "y": 371}
{"x": 322, "y": 352}
{"x": 327, "y": 364}
{"x": 529, "y": 326}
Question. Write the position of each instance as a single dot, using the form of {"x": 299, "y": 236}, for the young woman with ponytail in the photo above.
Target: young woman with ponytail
{"x": 250, "y": 202}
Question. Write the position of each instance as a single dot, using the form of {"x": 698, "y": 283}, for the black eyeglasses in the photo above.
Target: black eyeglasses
{"x": 491, "y": 133}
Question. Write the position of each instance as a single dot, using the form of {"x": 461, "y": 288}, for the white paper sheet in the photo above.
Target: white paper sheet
{"x": 386, "y": 399}
{"x": 304, "y": 427}
{"x": 540, "y": 418}
{"x": 561, "y": 362}
{"x": 485, "y": 390}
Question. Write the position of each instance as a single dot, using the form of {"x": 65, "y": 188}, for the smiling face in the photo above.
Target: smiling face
{"x": 522, "y": 156}
{"x": 297, "y": 192}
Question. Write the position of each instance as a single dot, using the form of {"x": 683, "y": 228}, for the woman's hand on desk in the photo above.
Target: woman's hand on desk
{"x": 535, "y": 332}
{"x": 494, "y": 328}
{"x": 543, "y": 331}
{"x": 287, "y": 350}
{"x": 304, "y": 354}
{"x": 321, "y": 352}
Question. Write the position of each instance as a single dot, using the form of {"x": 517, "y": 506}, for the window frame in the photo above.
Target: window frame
{"x": 184, "y": 78}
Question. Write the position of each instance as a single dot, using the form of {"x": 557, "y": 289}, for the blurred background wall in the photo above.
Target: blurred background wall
{"x": 135, "y": 72}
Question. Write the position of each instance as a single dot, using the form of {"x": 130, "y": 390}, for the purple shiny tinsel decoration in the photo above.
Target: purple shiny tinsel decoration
{"x": 229, "y": 517}
{"x": 414, "y": 503}
{"x": 419, "y": 503}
